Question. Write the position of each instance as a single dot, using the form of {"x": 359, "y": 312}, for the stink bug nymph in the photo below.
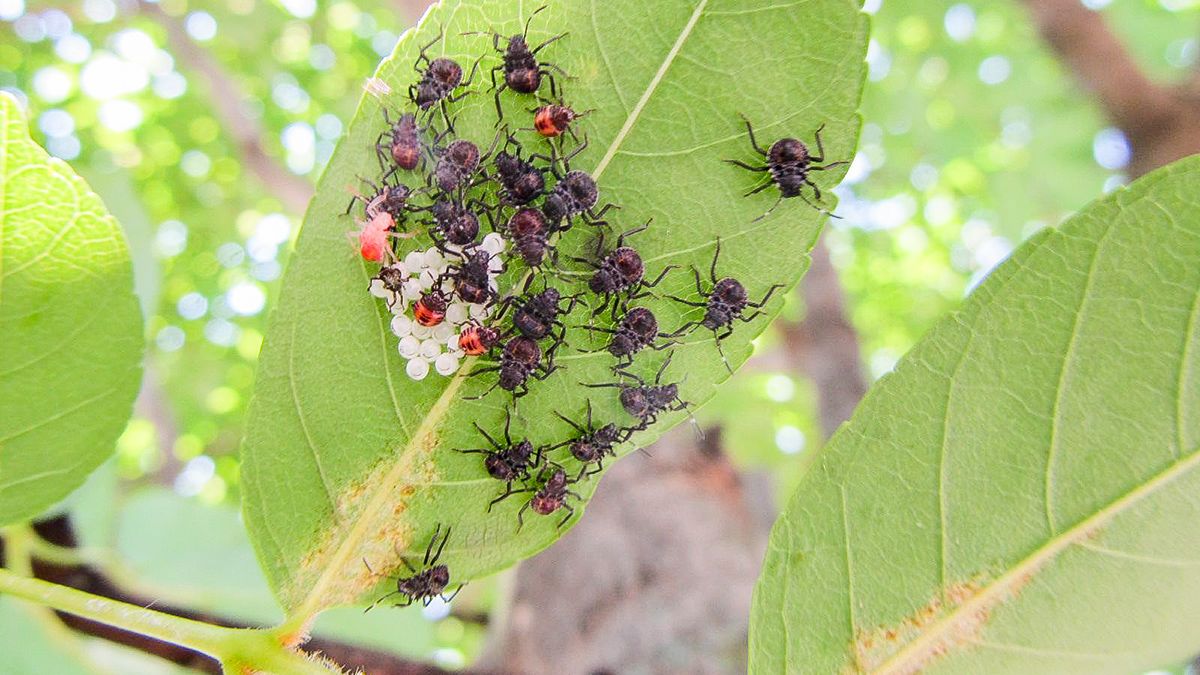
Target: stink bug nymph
{"x": 724, "y": 302}
{"x": 788, "y": 164}
{"x": 425, "y": 584}
{"x": 555, "y": 119}
{"x": 430, "y": 308}
{"x": 522, "y": 71}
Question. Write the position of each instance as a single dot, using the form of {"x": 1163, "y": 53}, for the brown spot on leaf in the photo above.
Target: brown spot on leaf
{"x": 875, "y": 648}
{"x": 369, "y": 512}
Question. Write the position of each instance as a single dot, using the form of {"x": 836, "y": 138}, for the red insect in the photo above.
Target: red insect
{"x": 475, "y": 339}
{"x": 554, "y": 120}
{"x": 430, "y": 309}
{"x": 373, "y": 237}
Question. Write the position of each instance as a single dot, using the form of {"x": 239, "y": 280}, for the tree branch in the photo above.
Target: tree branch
{"x": 656, "y": 579}
{"x": 226, "y": 99}
{"x": 153, "y": 404}
{"x": 824, "y": 346}
{"x": 1162, "y": 123}
{"x": 58, "y": 531}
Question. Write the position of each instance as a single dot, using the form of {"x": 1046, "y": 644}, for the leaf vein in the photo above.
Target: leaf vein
{"x": 1185, "y": 372}
{"x": 1061, "y": 386}
{"x": 312, "y": 446}
{"x": 931, "y": 640}
{"x": 650, "y": 88}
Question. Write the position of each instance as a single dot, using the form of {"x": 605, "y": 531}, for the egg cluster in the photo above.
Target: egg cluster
{"x": 437, "y": 347}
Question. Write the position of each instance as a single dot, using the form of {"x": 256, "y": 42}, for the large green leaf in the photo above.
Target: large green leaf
{"x": 346, "y": 459}
{"x": 1020, "y": 494}
{"x": 70, "y": 327}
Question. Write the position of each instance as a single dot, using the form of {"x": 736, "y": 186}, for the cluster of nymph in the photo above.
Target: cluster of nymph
{"x": 447, "y": 296}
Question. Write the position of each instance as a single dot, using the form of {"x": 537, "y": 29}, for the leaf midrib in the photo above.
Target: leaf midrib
{"x": 634, "y": 114}
{"x": 312, "y": 602}
{"x": 5, "y": 106}
{"x": 932, "y": 641}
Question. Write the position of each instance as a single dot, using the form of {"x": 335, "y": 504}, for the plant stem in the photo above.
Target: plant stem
{"x": 18, "y": 548}
{"x": 67, "y": 557}
{"x": 244, "y": 649}
{"x": 176, "y": 630}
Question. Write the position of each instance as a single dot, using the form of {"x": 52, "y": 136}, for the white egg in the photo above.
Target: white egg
{"x": 408, "y": 346}
{"x": 446, "y": 364}
{"x": 377, "y": 289}
{"x": 479, "y": 311}
{"x": 430, "y": 348}
{"x": 417, "y": 369}
{"x": 413, "y": 260}
{"x": 401, "y": 325}
{"x": 457, "y": 313}
{"x": 442, "y": 331}
{"x": 493, "y": 243}
{"x": 421, "y": 332}
{"x": 433, "y": 258}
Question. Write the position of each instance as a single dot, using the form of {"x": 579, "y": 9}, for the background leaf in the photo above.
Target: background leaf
{"x": 1019, "y": 496}
{"x": 70, "y": 327}
{"x": 346, "y": 459}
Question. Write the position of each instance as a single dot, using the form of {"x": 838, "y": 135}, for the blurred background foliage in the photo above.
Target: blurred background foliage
{"x": 974, "y": 137}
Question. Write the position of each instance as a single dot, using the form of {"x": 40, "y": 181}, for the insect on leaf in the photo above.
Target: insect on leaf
{"x": 348, "y": 462}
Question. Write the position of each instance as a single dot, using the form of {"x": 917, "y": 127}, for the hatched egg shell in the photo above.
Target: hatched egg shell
{"x": 412, "y": 289}
{"x": 427, "y": 279}
{"x": 421, "y": 332}
{"x": 478, "y": 311}
{"x": 417, "y": 369}
{"x": 413, "y": 260}
{"x": 442, "y": 331}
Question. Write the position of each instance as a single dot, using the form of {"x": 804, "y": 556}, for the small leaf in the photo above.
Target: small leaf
{"x": 1020, "y": 494}
{"x": 70, "y": 327}
{"x": 347, "y": 460}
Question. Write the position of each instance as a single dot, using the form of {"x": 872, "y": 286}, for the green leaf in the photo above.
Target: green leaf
{"x": 347, "y": 460}
{"x": 70, "y": 326}
{"x": 1019, "y": 495}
